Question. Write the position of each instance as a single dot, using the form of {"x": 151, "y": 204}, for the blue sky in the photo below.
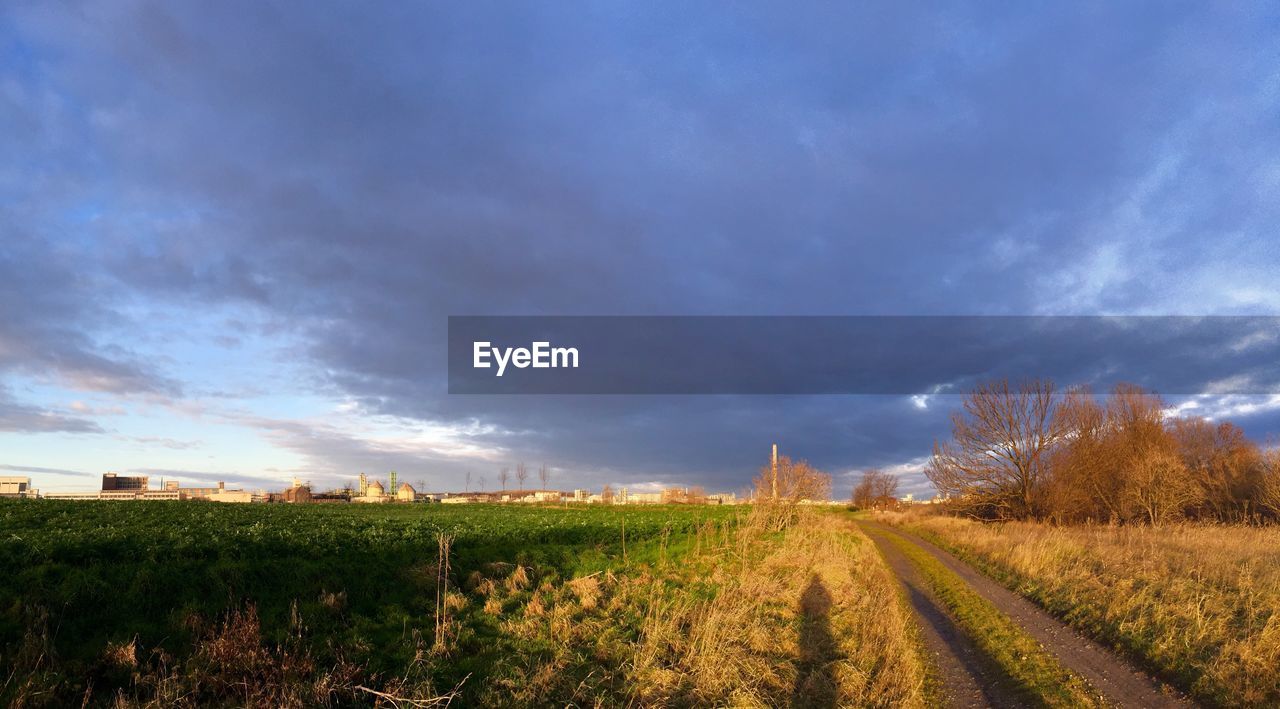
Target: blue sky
{"x": 231, "y": 233}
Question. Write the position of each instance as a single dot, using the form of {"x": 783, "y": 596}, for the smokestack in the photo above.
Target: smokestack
{"x": 775, "y": 471}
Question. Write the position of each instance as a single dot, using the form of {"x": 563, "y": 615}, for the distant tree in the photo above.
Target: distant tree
{"x": 503, "y": 476}
{"x": 797, "y": 481}
{"x": 876, "y": 490}
{"x": 522, "y": 474}
{"x": 468, "y": 488}
{"x": 544, "y": 474}
{"x": 606, "y": 495}
{"x": 481, "y": 483}
{"x": 997, "y": 460}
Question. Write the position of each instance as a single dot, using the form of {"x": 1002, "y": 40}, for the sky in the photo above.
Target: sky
{"x": 231, "y": 233}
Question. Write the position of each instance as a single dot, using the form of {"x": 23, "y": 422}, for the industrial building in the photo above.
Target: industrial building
{"x": 17, "y": 486}
{"x": 371, "y": 492}
{"x": 137, "y": 487}
{"x": 113, "y": 483}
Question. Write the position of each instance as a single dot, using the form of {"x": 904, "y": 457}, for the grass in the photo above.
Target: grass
{"x": 183, "y": 604}
{"x": 343, "y": 586}
{"x": 1032, "y": 672}
{"x": 1197, "y": 604}
{"x": 726, "y": 617}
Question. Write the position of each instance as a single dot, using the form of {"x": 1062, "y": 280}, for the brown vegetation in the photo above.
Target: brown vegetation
{"x": 876, "y": 490}
{"x": 747, "y": 617}
{"x": 752, "y": 614}
{"x": 781, "y": 488}
{"x": 855, "y": 646}
{"x": 998, "y": 456}
{"x": 1200, "y": 604}
{"x": 1026, "y": 452}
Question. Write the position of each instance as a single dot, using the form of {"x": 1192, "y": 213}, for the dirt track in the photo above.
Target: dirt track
{"x": 967, "y": 679}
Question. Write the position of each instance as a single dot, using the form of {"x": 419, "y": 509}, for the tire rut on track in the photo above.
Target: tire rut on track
{"x": 1121, "y": 683}
{"x": 966, "y": 679}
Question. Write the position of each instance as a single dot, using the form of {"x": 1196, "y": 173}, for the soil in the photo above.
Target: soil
{"x": 968, "y": 679}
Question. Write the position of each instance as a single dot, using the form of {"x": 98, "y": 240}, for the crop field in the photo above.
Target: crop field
{"x": 135, "y": 604}
{"x": 81, "y": 579}
{"x": 176, "y": 603}
{"x": 1196, "y": 604}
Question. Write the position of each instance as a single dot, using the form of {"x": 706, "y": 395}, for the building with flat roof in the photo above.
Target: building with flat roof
{"x": 138, "y": 495}
{"x": 16, "y": 486}
{"x": 112, "y": 482}
{"x": 88, "y": 495}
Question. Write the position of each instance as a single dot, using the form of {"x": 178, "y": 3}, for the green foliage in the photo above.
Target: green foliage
{"x": 93, "y": 573}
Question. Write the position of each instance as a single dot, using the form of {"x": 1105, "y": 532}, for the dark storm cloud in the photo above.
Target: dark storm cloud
{"x": 54, "y": 297}
{"x": 362, "y": 175}
{"x": 856, "y": 355}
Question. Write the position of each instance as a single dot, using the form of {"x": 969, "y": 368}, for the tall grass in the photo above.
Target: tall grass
{"x": 815, "y": 616}
{"x": 729, "y": 611}
{"x": 1199, "y": 604}
{"x": 748, "y": 617}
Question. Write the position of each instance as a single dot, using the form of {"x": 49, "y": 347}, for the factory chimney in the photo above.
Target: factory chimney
{"x": 775, "y": 471}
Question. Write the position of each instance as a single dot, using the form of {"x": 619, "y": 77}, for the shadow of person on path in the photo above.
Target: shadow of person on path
{"x": 816, "y": 684}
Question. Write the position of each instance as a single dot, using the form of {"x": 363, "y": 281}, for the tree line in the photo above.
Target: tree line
{"x": 1030, "y": 451}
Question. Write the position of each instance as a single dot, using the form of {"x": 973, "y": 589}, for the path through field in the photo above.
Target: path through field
{"x": 968, "y": 680}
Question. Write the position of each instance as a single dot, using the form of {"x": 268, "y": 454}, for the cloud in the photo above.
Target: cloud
{"x": 16, "y": 417}
{"x": 45, "y": 471}
{"x": 353, "y": 177}
{"x": 161, "y": 442}
{"x": 205, "y": 478}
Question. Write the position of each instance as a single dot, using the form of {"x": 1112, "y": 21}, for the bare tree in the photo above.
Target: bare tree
{"x": 481, "y": 483}
{"x": 1085, "y": 482}
{"x": 522, "y": 474}
{"x": 468, "y": 488}
{"x": 997, "y": 460}
{"x": 503, "y": 476}
{"x": 1093, "y": 471}
{"x": 1228, "y": 466}
{"x": 606, "y": 495}
{"x": 544, "y": 474}
{"x": 797, "y": 481}
{"x": 877, "y": 489}
{"x": 1158, "y": 487}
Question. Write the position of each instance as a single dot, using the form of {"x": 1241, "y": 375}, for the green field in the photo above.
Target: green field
{"x": 349, "y": 589}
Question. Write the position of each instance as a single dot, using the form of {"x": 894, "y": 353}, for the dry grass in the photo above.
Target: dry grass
{"x": 808, "y": 616}
{"x": 731, "y": 615}
{"x": 1200, "y": 604}
{"x": 821, "y": 598}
